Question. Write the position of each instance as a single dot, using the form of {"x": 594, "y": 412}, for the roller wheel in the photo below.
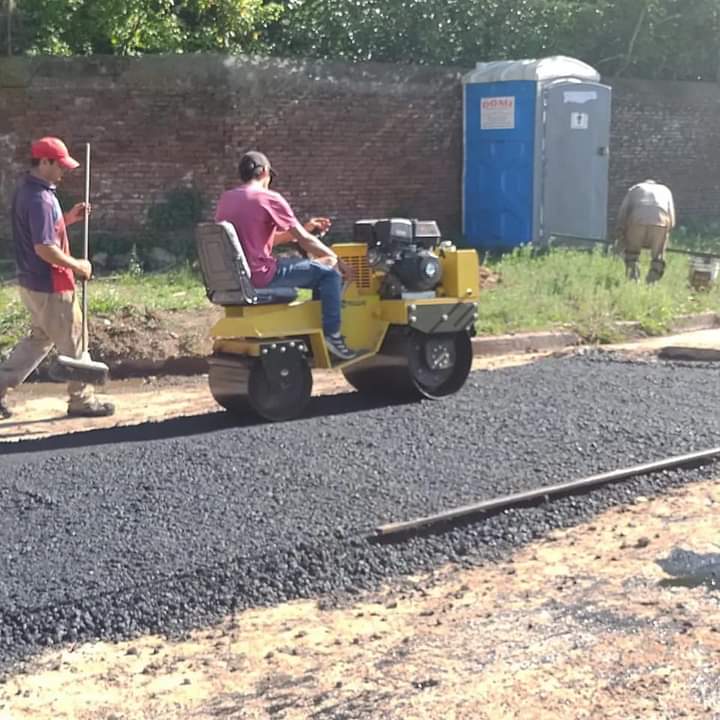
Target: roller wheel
{"x": 228, "y": 379}
{"x": 275, "y": 387}
{"x": 412, "y": 365}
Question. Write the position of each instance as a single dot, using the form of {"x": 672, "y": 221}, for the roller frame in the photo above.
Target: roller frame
{"x": 394, "y": 332}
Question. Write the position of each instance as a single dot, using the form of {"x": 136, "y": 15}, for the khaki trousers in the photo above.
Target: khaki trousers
{"x": 55, "y": 321}
{"x": 645, "y": 237}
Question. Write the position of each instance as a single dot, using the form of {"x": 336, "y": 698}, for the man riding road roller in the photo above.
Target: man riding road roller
{"x": 262, "y": 219}
{"x": 409, "y": 297}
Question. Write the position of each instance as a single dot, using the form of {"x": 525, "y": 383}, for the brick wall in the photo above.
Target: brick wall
{"x": 348, "y": 140}
{"x": 668, "y": 131}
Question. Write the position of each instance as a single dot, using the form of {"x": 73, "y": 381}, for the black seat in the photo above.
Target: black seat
{"x": 263, "y": 296}
{"x": 226, "y": 272}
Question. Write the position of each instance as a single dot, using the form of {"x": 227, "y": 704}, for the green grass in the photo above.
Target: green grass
{"x": 583, "y": 291}
{"x": 13, "y": 318}
{"x": 586, "y": 292}
{"x": 689, "y": 239}
{"x": 181, "y": 289}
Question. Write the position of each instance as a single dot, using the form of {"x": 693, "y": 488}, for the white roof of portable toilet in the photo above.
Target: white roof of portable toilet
{"x": 551, "y": 68}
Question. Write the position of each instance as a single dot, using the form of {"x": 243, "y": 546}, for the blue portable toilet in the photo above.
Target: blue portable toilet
{"x": 536, "y": 153}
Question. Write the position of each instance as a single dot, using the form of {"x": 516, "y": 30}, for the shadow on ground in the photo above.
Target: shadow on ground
{"x": 320, "y": 406}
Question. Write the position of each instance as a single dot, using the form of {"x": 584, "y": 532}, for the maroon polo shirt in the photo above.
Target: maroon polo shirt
{"x": 257, "y": 214}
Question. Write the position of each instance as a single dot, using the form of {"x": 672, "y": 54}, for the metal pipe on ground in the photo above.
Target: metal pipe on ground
{"x": 571, "y": 239}
{"x": 542, "y": 493}
{"x": 691, "y": 354}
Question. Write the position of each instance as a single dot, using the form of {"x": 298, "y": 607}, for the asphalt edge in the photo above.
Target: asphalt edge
{"x": 483, "y": 346}
{"x": 550, "y": 341}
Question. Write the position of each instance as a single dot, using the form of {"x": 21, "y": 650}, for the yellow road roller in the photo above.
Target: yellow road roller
{"x": 411, "y": 305}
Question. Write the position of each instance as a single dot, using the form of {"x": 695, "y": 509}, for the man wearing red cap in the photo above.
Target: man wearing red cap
{"x": 46, "y": 274}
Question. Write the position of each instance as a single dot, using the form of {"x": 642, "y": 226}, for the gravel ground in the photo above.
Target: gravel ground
{"x": 109, "y": 541}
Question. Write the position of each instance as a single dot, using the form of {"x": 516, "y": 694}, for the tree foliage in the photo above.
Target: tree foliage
{"x": 647, "y": 38}
{"x": 128, "y": 27}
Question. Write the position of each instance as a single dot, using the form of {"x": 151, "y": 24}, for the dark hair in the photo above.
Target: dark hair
{"x": 247, "y": 172}
{"x": 35, "y": 162}
{"x": 252, "y": 165}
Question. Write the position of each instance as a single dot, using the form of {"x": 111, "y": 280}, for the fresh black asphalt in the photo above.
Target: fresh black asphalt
{"x": 167, "y": 527}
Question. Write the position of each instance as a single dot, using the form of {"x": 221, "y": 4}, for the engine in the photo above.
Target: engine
{"x": 403, "y": 250}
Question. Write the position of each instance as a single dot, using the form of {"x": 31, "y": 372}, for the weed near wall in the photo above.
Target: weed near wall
{"x": 587, "y": 292}
{"x": 169, "y": 226}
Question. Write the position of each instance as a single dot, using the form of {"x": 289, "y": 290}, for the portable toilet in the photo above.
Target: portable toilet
{"x": 536, "y": 153}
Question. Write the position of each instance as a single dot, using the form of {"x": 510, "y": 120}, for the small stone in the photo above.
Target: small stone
{"x": 424, "y": 684}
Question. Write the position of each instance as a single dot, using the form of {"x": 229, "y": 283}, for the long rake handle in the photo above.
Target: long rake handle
{"x": 86, "y": 250}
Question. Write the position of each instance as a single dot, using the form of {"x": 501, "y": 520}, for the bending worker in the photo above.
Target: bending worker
{"x": 46, "y": 275}
{"x": 263, "y": 219}
{"x": 646, "y": 216}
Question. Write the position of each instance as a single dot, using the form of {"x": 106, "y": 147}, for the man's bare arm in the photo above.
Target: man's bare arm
{"x": 53, "y": 255}
{"x": 76, "y": 214}
{"x": 317, "y": 249}
{"x": 313, "y": 225}
{"x": 312, "y": 244}
{"x": 284, "y": 238}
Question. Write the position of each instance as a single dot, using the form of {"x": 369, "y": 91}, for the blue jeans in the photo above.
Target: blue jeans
{"x": 324, "y": 281}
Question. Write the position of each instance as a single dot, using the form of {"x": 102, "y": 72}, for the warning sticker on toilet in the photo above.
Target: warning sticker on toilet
{"x": 579, "y": 121}
{"x": 497, "y": 113}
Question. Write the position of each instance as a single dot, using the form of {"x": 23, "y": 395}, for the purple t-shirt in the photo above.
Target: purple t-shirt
{"x": 256, "y": 214}
{"x": 38, "y": 220}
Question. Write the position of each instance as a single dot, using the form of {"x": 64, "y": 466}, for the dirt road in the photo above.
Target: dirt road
{"x": 583, "y": 625}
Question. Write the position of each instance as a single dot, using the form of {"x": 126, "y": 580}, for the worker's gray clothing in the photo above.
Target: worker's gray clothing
{"x": 645, "y": 219}
{"x": 648, "y": 203}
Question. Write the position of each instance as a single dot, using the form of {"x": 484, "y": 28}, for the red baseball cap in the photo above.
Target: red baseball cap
{"x": 52, "y": 148}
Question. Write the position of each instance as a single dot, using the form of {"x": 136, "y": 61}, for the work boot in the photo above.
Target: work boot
{"x": 91, "y": 408}
{"x": 5, "y": 411}
{"x": 632, "y": 271}
{"x": 657, "y": 270}
{"x": 338, "y": 349}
